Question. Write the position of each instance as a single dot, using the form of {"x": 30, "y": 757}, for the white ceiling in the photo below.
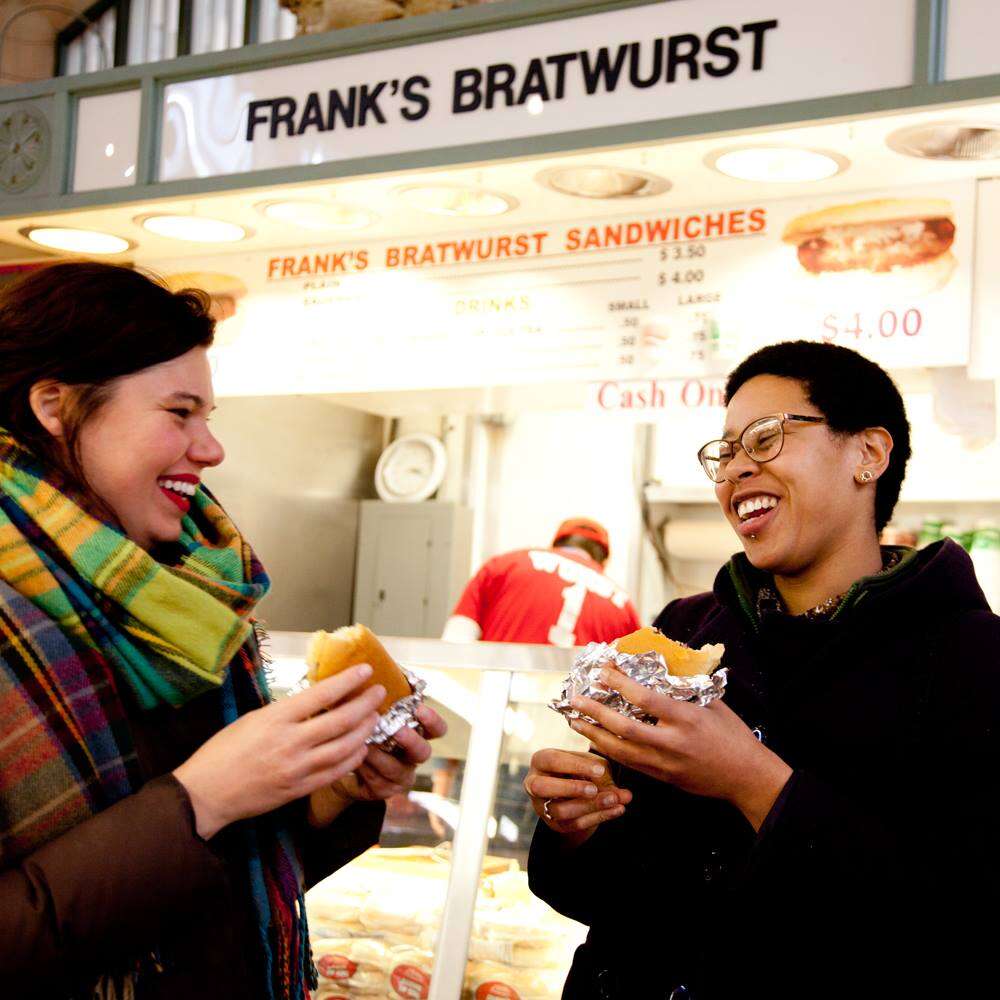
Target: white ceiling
{"x": 682, "y": 162}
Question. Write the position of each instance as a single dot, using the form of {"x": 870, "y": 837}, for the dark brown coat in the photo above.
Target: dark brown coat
{"x": 137, "y": 878}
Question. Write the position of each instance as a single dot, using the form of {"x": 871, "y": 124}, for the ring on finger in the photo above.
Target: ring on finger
{"x": 545, "y": 811}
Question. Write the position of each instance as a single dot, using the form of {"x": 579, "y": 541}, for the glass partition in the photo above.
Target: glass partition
{"x": 520, "y": 948}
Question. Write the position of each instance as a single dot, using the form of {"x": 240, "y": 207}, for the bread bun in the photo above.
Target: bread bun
{"x": 900, "y": 283}
{"x": 331, "y": 652}
{"x": 862, "y": 213}
{"x": 681, "y": 660}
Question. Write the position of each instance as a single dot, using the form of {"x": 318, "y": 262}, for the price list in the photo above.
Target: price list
{"x": 674, "y": 296}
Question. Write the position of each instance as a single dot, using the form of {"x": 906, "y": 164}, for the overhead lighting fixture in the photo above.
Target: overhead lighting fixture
{"x": 193, "y": 228}
{"x": 85, "y": 241}
{"x": 320, "y": 216}
{"x": 948, "y": 141}
{"x": 602, "y": 182}
{"x": 453, "y": 199}
{"x": 777, "y": 164}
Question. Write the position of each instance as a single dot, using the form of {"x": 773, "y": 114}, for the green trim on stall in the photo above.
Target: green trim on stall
{"x": 929, "y": 89}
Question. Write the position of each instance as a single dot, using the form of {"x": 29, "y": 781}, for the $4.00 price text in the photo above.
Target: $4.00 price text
{"x": 869, "y": 326}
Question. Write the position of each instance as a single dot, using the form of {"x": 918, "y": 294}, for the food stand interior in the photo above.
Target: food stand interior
{"x": 522, "y": 456}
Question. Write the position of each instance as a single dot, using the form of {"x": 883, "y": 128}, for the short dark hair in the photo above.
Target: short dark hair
{"x": 595, "y": 550}
{"x": 852, "y": 392}
{"x": 86, "y": 324}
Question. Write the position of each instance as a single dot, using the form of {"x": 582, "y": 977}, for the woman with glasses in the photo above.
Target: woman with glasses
{"x": 829, "y": 829}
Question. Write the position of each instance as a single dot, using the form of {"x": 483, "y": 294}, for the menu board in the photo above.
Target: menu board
{"x": 677, "y": 294}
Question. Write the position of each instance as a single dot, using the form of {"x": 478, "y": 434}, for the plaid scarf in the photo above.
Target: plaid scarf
{"x": 82, "y": 610}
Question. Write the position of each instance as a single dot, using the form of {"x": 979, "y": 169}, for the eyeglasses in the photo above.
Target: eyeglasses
{"x": 761, "y": 440}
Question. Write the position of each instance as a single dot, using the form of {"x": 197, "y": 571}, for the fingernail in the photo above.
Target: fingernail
{"x": 609, "y": 800}
{"x": 590, "y": 790}
{"x": 576, "y": 701}
{"x": 574, "y": 725}
{"x": 619, "y": 811}
{"x": 364, "y": 671}
{"x": 379, "y": 691}
{"x": 597, "y": 770}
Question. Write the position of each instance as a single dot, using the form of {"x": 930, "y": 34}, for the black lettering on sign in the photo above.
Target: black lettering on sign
{"x": 283, "y": 113}
{"x": 727, "y": 52}
{"x": 369, "y": 104}
{"x": 254, "y": 117}
{"x": 312, "y": 116}
{"x": 500, "y": 80}
{"x": 336, "y": 108}
{"x": 466, "y": 92}
{"x": 602, "y": 69}
{"x": 635, "y": 65}
{"x": 534, "y": 82}
{"x": 560, "y": 62}
{"x": 412, "y": 87}
{"x": 682, "y": 49}
{"x": 758, "y": 29}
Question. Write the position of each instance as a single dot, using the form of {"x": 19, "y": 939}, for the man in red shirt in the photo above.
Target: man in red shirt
{"x": 557, "y": 596}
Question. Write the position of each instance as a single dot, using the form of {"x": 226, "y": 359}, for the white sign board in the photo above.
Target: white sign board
{"x": 971, "y": 36}
{"x": 680, "y": 295}
{"x": 663, "y": 60}
{"x": 984, "y": 362}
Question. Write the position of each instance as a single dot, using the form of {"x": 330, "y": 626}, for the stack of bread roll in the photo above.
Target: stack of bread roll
{"x": 350, "y": 967}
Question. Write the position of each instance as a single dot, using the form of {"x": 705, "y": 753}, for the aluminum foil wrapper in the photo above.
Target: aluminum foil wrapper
{"x": 648, "y": 669}
{"x": 399, "y": 716}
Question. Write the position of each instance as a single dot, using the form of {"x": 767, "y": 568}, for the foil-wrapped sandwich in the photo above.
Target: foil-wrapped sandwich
{"x": 331, "y": 652}
{"x": 651, "y": 659}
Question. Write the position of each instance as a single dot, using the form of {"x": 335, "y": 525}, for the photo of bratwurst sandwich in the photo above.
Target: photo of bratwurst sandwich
{"x": 902, "y": 243}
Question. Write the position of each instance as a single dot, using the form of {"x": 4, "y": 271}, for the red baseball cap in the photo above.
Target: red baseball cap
{"x": 586, "y": 528}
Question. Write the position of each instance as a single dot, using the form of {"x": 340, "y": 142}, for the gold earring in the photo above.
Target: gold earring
{"x": 865, "y": 477}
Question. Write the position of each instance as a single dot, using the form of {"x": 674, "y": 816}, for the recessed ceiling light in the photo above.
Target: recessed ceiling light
{"x": 948, "y": 141}
{"x": 317, "y": 215}
{"x": 777, "y": 164}
{"x": 534, "y": 105}
{"x": 193, "y": 228}
{"x": 89, "y": 241}
{"x": 453, "y": 199}
{"x": 602, "y": 182}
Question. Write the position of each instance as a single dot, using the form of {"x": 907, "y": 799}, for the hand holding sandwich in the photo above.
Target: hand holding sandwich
{"x": 707, "y": 750}
{"x": 573, "y": 793}
{"x": 282, "y": 752}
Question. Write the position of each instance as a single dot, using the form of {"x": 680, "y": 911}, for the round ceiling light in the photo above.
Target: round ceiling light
{"x": 452, "y": 199}
{"x": 602, "y": 182}
{"x": 319, "y": 216}
{"x": 777, "y": 164}
{"x": 193, "y": 228}
{"x": 86, "y": 241}
{"x": 948, "y": 141}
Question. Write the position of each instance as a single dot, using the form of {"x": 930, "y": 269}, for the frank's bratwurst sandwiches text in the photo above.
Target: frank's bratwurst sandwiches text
{"x": 901, "y": 242}
{"x": 652, "y": 659}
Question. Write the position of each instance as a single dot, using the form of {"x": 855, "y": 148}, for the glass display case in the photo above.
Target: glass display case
{"x": 441, "y": 910}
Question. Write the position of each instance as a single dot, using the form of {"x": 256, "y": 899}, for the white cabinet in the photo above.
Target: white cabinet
{"x": 413, "y": 561}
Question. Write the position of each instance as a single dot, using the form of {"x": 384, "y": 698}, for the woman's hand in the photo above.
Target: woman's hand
{"x": 563, "y": 792}
{"x": 708, "y": 751}
{"x": 281, "y": 752}
{"x": 382, "y": 775}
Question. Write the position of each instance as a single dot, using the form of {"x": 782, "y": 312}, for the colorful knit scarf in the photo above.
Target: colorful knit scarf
{"x": 93, "y": 610}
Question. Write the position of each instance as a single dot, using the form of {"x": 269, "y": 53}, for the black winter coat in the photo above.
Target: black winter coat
{"x": 876, "y": 872}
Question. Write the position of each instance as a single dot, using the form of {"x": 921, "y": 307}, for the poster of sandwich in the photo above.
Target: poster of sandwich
{"x": 682, "y": 292}
{"x": 886, "y": 273}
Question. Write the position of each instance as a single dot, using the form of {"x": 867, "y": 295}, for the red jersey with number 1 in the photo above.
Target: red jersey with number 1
{"x": 558, "y": 597}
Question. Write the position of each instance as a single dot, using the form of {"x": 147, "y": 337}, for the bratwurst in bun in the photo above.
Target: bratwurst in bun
{"x": 905, "y": 240}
